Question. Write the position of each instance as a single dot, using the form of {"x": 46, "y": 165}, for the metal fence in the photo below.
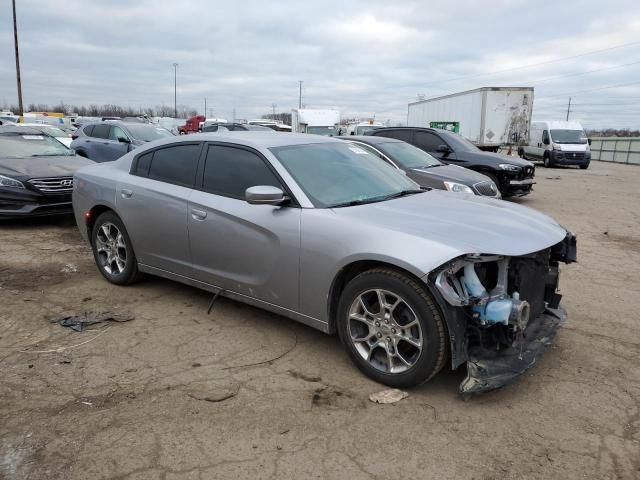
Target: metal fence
{"x": 616, "y": 149}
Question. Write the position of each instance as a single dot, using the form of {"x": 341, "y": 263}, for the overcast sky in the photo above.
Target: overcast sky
{"x": 365, "y": 58}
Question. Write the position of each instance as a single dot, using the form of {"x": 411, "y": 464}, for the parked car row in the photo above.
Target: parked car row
{"x": 336, "y": 234}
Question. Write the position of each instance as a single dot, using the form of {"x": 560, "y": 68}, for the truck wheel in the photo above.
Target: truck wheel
{"x": 584, "y": 167}
{"x": 391, "y": 328}
{"x": 547, "y": 161}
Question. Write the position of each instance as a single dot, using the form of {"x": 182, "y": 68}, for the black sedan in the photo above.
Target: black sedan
{"x": 424, "y": 169}
{"x": 36, "y": 173}
{"x": 513, "y": 176}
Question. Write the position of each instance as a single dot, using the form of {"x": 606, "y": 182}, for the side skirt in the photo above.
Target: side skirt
{"x": 285, "y": 312}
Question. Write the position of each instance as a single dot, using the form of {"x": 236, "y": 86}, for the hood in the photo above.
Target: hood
{"x": 492, "y": 159}
{"x": 466, "y": 223}
{"x": 452, "y": 173}
{"x": 35, "y": 167}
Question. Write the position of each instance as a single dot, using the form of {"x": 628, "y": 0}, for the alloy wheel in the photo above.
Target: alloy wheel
{"x": 111, "y": 249}
{"x": 385, "y": 331}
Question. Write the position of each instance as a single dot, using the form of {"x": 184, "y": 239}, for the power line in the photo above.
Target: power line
{"x": 591, "y": 90}
{"x": 581, "y": 73}
{"x": 534, "y": 64}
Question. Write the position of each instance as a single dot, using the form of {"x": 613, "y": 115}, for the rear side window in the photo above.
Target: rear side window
{"x": 100, "y": 131}
{"x": 230, "y": 171}
{"x": 88, "y": 129}
{"x": 404, "y": 135}
{"x": 427, "y": 141}
{"x": 143, "y": 164}
{"x": 174, "y": 164}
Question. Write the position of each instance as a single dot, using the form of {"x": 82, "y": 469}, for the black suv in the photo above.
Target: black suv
{"x": 512, "y": 175}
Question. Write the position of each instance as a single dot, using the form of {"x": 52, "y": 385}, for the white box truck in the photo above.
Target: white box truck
{"x": 489, "y": 116}
{"x": 316, "y": 121}
{"x": 557, "y": 143}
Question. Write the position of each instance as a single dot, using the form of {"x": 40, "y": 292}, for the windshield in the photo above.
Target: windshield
{"x": 148, "y": 133}
{"x": 326, "y": 131}
{"x": 363, "y": 129}
{"x": 568, "y": 136}
{"x": 408, "y": 156}
{"x": 53, "y": 131}
{"x": 18, "y": 145}
{"x": 335, "y": 174}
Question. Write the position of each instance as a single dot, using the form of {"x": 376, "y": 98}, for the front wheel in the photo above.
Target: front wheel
{"x": 391, "y": 328}
{"x": 584, "y": 167}
{"x": 112, "y": 250}
{"x": 547, "y": 161}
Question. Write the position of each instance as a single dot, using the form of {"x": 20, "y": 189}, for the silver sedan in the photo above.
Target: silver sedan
{"x": 320, "y": 231}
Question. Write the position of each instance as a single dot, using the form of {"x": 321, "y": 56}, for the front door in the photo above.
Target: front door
{"x": 153, "y": 204}
{"x": 248, "y": 249}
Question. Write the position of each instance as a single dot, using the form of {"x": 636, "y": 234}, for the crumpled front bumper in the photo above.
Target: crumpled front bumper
{"x": 488, "y": 370}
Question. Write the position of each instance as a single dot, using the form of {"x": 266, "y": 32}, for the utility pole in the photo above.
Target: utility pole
{"x": 300, "y": 96}
{"x": 15, "y": 41}
{"x": 234, "y": 114}
{"x": 175, "y": 90}
{"x": 568, "y": 109}
{"x": 273, "y": 106}
{"x": 205, "y": 106}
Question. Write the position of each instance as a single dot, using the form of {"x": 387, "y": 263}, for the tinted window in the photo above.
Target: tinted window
{"x": 88, "y": 129}
{"x": 427, "y": 141}
{"x": 404, "y": 135}
{"x": 408, "y": 156}
{"x": 144, "y": 161}
{"x": 117, "y": 133}
{"x": 175, "y": 164}
{"x": 230, "y": 171}
{"x": 148, "y": 133}
{"x": 100, "y": 131}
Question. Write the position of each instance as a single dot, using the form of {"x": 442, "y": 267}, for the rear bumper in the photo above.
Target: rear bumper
{"x": 488, "y": 370}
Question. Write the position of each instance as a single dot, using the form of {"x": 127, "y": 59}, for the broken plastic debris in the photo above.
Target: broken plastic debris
{"x": 69, "y": 268}
{"x": 80, "y": 322}
{"x": 392, "y": 395}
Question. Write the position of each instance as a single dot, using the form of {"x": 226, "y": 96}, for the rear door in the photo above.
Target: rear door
{"x": 430, "y": 142}
{"x": 99, "y": 141}
{"x": 153, "y": 204}
{"x": 253, "y": 250}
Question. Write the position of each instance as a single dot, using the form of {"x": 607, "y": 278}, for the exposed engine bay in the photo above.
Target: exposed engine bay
{"x": 502, "y": 311}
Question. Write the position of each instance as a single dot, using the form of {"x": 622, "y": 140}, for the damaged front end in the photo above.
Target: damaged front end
{"x": 502, "y": 312}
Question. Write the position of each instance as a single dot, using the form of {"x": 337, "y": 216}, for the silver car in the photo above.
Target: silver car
{"x": 315, "y": 229}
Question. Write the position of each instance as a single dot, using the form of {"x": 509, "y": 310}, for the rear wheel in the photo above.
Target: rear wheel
{"x": 391, "y": 328}
{"x": 112, "y": 250}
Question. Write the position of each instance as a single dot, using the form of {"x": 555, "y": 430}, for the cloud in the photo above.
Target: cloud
{"x": 365, "y": 58}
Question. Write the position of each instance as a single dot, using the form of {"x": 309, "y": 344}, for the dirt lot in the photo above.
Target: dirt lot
{"x": 147, "y": 399}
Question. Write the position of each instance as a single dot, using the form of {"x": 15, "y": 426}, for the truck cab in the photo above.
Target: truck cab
{"x": 557, "y": 143}
{"x": 315, "y": 121}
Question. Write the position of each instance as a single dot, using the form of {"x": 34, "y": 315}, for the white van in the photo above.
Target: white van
{"x": 557, "y": 143}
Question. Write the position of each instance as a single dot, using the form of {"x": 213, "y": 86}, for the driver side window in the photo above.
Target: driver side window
{"x": 427, "y": 141}
{"x": 117, "y": 133}
{"x": 545, "y": 137}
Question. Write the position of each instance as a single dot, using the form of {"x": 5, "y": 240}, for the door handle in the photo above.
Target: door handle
{"x": 198, "y": 214}
{"x": 126, "y": 193}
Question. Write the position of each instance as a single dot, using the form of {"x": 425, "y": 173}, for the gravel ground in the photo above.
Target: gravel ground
{"x": 176, "y": 393}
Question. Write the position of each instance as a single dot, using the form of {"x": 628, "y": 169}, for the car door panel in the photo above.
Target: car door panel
{"x": 249, "y": 249}
{"x": 155, "y": 215}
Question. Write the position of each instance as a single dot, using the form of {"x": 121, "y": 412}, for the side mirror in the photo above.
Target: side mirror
{"x": 589, "y": 141}
{"x": 444, "y": 149}
{"x": 265, "y": 195}
{"x": 124, "y": 140}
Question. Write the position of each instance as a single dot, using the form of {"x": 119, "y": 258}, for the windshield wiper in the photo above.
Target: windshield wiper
{"x": 382, "y": 198}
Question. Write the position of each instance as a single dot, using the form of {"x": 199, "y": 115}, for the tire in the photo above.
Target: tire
{"x": 584, "y": 167}
{"x": 414, "y": 317}
{"x": 547, "y": 161}
{"x": 113, "y": 253}
{"x": 521, "y": 152}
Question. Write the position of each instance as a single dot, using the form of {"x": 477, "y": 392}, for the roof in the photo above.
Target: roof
{"x": 481, "y": 89}
{"x": 21, "y": 130}
{"x": 370, "y": 139}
